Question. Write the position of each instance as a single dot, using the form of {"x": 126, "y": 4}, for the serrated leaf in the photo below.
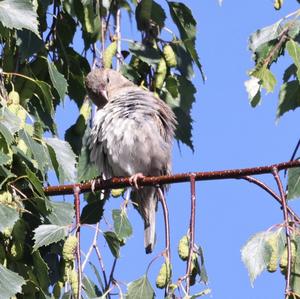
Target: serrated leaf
{"x": 293, "y": 183}
{"x": 140, "y": 288}
{"x": 147, "y": 54}
{"x": 253, "y": 89}
{"x": 65, "y": 157}
{"x": 62, "y": 213}
{"x": 113, "y": 243}
{"x": 293, "y": 49}
{"x": 8, "y": 217}
{"x": 122, "y": 226}
{"x": 264, "y": 35}
{"x": 183, "y": 131}
{"x": 288, "y": 97}
{"x": 186, "y": 24}
{"x": 256, "y": 254}
{"x": 46, "y": 234}
{"x": 181, "y": 105}
{"x": 267, "y": 79}
{"x": 10, "y": 283}
{"x": 19, "y": 14}
{"x": 184, "y": 60}
{"x": 58, "y": 80}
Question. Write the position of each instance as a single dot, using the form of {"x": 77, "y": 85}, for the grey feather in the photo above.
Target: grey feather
{"x": 132, "y": 133}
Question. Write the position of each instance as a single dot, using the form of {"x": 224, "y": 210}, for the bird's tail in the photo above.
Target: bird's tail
{"x": 146, "y": 200}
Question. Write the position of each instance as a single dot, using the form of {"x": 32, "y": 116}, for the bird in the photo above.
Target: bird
{"x": 131, "y": 136}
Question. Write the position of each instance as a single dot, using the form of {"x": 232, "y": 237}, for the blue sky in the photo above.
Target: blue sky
{"x": 227, "y": 133}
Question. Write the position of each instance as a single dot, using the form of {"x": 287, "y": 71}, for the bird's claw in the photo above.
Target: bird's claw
{"x": 134, "y": 178}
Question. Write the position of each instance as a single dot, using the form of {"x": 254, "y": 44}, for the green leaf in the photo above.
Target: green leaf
{"x": 186, "y": 24}
{"x": 62, "y": 213}
{"x": 184, "y": 20}
{"x": 65, "y": 157}
{"x": 293, "y": 183}
{"x": 28, "y": 43}
{"x": 97, "y": 274}
{"x": 39, "y": 151}
{"x": 78, "y": 133}
{"x": 34, "y": 181}
{"x": 4, "y": 159}
{"x": 200, "y": 265}
{"x": 86, "y": 169}
{"x": 140, "y": 288}
{"x": 264, "y": 35}
{"x": 253, "y": 88}
{"x": 90, "y": 288}
{"x": 58, "y": 80}
{"x": 290, "y": 72}
{"x": 19, "y": 14}
{"x": 184, "y": 60}
{"x": 10, "y": 121}
{"x": 10, "y": 283}
{"x": 8, "y": 217}
{"x": 293, "y": 49}
{"x": 45, "y": 96}
{"x": 181, "y": 105}
{"x": 93, "y": 211}
{"x": 145, "y": 53}
{"x": 46, "y": 234}
{"x": 288, "y": 97}
{"x": 41, "y": 270}
{"x": 148, "y": 14}
{"x": 122, "y": 226}
{"x": 6, "y": 134}
{"x": 256, "y": 252}
{"x": 184, "y": 130}
{"x": 113, "y": 243}
{"x": 267, "y": 79}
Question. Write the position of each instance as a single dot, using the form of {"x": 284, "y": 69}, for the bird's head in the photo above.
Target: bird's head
{"x": 101, "y": 83}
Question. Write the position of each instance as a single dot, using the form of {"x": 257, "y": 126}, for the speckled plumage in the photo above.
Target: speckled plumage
{"x": 132, "y": 133}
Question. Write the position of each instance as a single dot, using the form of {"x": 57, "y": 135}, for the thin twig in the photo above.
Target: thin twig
{"x": 101, "y": 265}
{"x": 78, "y": 253}
{"x": 191, "y": 232}
{"x": 294, "y": 154}
{"x": 271, "y": 192}
{"x": 118, "y": 36}
{"x": 111, "y": 276}
{"x": 287, "y": 229}
{"x": 167, "y": 223}
{"x": 118, "y": 182}
{"x": 94, "y": 243}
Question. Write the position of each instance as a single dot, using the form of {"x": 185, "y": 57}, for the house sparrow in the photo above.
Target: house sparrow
{"x": 132, "y": 135}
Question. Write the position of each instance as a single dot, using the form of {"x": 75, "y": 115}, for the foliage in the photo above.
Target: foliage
{"x": 41, "y": 65}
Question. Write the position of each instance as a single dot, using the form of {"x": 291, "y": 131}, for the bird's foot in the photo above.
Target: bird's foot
{"x": 134, "y": 178}
{"x": 94, "y": 181}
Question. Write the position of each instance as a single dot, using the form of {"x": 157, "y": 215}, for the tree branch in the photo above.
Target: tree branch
{"x": 169, "y": 179}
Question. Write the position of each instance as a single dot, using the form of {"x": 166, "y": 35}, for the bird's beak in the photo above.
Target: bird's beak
{"x": 103, "y": 94}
